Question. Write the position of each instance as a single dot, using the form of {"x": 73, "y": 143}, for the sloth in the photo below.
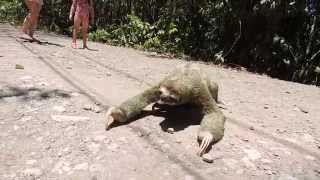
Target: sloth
{"x": 186, "y": 85}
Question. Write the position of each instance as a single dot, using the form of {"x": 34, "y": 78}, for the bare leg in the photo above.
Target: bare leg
{"x": 27, "y": 21}
{"x": 85, "y": 25}
{"x": 26, "y": 24}
{"x": 76, "y": 27}
{"x": 34, "y": 18}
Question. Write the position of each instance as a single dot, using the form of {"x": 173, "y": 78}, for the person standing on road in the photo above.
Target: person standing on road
{"x": 31, "y": 21}
{"x": 82, "y": 10}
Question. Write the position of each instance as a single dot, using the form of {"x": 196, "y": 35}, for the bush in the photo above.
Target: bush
{"x": 12, "y": 10}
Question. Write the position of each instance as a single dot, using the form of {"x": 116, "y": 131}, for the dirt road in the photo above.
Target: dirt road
{"x": 53, "y": 100}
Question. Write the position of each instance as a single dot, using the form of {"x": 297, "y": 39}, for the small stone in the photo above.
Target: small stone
{"x": 66, "y": 150}
{"x": 113, "y": 147}
{"x": 66, "y": 168}
{"x": 245, "y": 139}
{"x": 207, "y": 158}
{"x": 266, "y": 161}
{"x": 166, "y": 146}
{"x": 287, "y": 152}
{"x": 123, "y": 139}
{"x": 26, "y": 78}
{"x": 15, "y": 127}
{"x": 170, "y": 130}
{"x": 188, "y": 177}
{"x": 268, "y": 172}
{"x": 43, "y": 84}
{"x": 95, "y": 168}
{"x": 94, "y": 148}
{"x": 252, "y": 154}
{"x": 61, "y": 166}
{"x": 33, "y": 172}
{"x": 85, "y": 139}
{"x": 97, "y": 109}
{"x": 75, "y": 94}
{"x": 19, "y": 66}
{"x": 63, "y": 118}
{"x": 251, "y": 128}
{"x": 87, "y": 107}
{"x": 31, "y": 162}
{"x": 140, "y": 134}
{"x": 287, "y": 177}
{"x": 239, "y": 171}
{"x": 39, "y": 139}
{"x": 82, "y": 166}
{"x": 276, "y": 155}
{"x": 231, "y": 163}
{"x": 47, "y": 147}
{"x": 26, "y": 118}
{"x": 248, "y": 163}
{"x": 166, "y": 173}
{"x": 297, "y": 108}
{"x": 302, "y": 109}
{"x": 99, "y": 138}
{"x": 92, "y": 108}
{"x": 59, "y": 109}
{"x": 69, "y": 67}
{"x": 266, "y": 168}
{"x": 281, "y": 131}
{"x": 308, "y": 138}
{"x": 59, "y": 154}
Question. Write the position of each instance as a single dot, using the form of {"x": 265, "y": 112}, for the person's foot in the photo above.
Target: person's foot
{"x": 30, "y": 33}
{"x": 25, "y": 31}
{"x": 35, "y": 39}
{"x": 85, "y": 47}
{"x": 74, "y": 45}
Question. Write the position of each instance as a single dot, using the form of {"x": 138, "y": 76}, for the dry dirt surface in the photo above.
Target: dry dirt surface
{"x": 52, "y": 109}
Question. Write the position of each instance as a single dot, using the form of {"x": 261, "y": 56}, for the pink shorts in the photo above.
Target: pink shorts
{"x": 40, "y": 2}
{"x": 82, "y": 8}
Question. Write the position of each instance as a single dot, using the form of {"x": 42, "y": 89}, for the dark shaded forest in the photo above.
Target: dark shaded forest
{"x": 278, "y": 38}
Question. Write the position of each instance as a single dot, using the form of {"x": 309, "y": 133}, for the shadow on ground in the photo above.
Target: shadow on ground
{"x": 32, "y": 93}
{"x": 40, "y": 42}
{"x": 176, "y": 117}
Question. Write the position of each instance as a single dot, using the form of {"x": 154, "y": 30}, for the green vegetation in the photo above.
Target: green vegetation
{"x": 12, "y": 10}
{"x": 279, "y": 38}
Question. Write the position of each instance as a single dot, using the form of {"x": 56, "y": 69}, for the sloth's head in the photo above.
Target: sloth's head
{"x": 174, "y": 91}
{"x": 169, "y": 96}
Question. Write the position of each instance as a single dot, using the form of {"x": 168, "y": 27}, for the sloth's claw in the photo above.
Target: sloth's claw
{"x": 206, "y": 141}
{"x": 110, "y": 118}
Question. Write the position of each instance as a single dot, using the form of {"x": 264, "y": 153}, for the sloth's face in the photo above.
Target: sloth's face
{"x": 169, "y": 97}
